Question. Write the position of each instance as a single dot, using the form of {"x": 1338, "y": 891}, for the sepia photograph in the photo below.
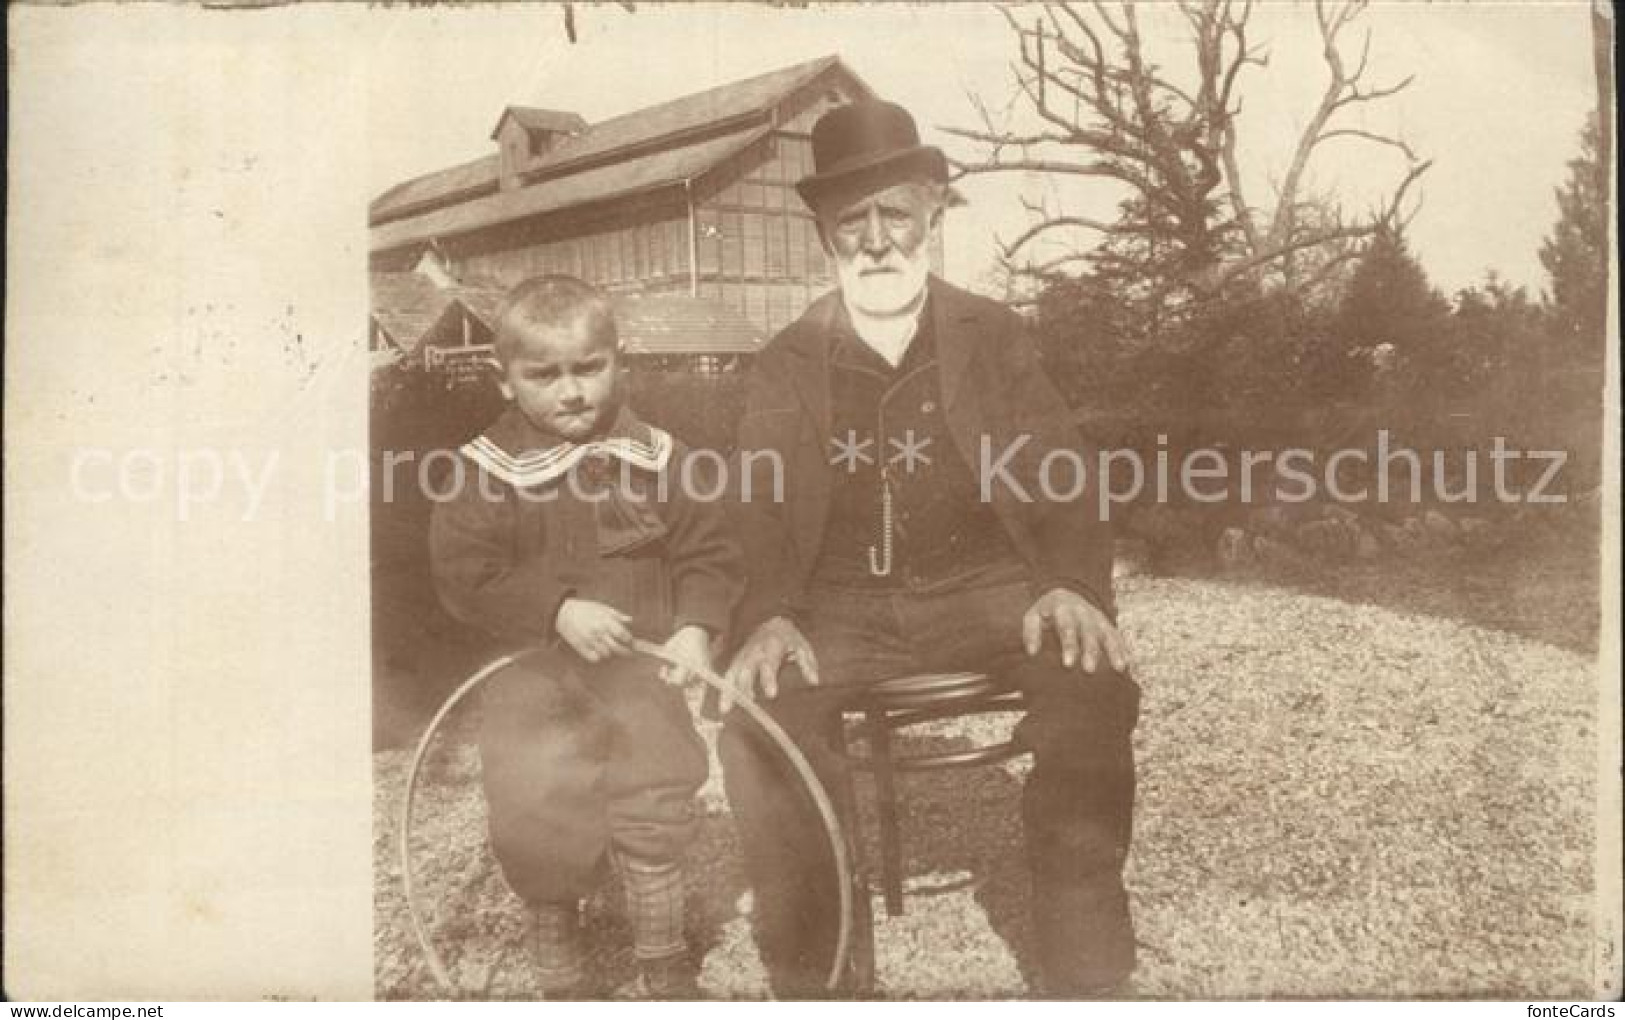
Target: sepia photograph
{"x": 1108, "y": 501}
{"x": 1143, "y": 459}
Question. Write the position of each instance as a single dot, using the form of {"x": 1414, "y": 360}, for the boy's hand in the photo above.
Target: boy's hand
{"x": 596, "y": 631}
{"x": 690, "y": 645}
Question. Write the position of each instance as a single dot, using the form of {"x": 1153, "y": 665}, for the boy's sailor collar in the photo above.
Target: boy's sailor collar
{"x": 522, "y": 455}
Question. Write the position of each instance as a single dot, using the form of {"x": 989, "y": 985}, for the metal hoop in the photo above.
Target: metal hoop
{"x": 826, "y": 808}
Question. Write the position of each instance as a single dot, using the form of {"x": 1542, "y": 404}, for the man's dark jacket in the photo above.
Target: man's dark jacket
{"x": 1005, "y": 419}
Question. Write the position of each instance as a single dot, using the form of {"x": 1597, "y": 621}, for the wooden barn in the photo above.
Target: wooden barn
{"x": 693, "y": 197}
{"x": 417, "y": 322}
{"x": 448, "y": 328}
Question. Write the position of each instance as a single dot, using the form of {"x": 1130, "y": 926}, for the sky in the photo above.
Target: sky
{"x": 1501, "y": 93}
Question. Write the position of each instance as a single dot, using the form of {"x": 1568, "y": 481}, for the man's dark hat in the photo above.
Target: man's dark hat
{"x": 867, "y": 143}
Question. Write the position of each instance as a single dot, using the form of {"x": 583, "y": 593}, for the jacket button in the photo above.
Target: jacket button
{"x": 928, "y": 407}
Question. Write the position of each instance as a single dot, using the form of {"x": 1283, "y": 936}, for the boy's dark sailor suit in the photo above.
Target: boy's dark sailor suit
{"x": 579, "y": 758}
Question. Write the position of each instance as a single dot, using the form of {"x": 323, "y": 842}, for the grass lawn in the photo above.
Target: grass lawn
{"x": 1544, "y": 589}
{"x": 1375, "y": 782}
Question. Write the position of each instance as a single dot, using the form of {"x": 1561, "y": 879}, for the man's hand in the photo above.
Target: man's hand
{"x": 1079, "y": 626}
{"x": 596, "y": 631}
{"x": 756, "y": 667}
{"x": 690, "y": 645}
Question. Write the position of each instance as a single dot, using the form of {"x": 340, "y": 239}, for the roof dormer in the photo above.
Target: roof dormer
{"x": 525, "y": 134}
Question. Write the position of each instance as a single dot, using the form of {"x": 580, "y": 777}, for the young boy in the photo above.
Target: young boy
{"x": 564, "y": 538}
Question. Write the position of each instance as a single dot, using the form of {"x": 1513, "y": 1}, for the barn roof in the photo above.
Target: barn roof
{"x": 679, "y": 324}
{"x": 483, "y": 301}
{"x": 533, "y": 118}
{"x": 688, "y": 113}
{"x": 689, "y": 126}
{"x": 463, "y": 180}
{"x": 407, "y": 305}
{"x": 641, "y": 173}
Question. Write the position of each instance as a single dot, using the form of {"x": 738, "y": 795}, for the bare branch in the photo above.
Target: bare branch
{"x": 1355, "y": 95}
{"x": 1236, "y": 28}
{"x": 1111, "y": 26}
{"x": 1314, "y": 239}
{"x": 1238, "y": 199}
{"x": 1049, "y": 268}
{"x": 1002, "y": 140}
{"x": 960, "y": 169}
{"x": 1095, "y": 105}
{"x": 1223, "y": 275}
{"x": 1010, "y": 250}
{"x": 1370, "y": 136}
{"x": 1415, "y": 174}
{"x": 1342, "y": 90}
{"x": 1365, "y": 57}
{"x": 1048, "y": 166}
{"x": 1330, "y": 266}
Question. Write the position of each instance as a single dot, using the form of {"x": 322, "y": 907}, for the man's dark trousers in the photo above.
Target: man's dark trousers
{"x": 1076, "y": 808}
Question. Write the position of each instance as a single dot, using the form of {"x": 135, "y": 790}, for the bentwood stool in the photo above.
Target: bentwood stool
{"x": 893, "y": 705}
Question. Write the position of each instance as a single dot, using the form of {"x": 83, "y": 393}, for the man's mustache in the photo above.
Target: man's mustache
{"x": 889, "y": 264}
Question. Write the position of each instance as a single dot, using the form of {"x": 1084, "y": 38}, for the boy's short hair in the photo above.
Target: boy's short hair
{"x": 552, "y": 302}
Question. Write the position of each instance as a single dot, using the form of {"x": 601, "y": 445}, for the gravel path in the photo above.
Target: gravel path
{"x": 1336, "y": 800}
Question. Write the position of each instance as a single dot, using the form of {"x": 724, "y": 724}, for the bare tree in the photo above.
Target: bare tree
{"x": 1105, "y": 109}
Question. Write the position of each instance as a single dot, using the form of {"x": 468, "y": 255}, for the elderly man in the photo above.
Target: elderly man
{"x": 909, "y": 422}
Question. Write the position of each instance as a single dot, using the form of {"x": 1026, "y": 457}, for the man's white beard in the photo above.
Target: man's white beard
{"x": 884, "y": 307}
